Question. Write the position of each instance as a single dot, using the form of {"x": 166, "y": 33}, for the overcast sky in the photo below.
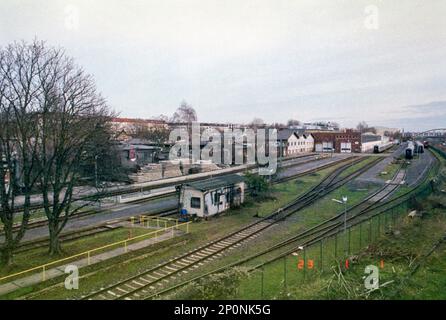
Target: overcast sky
{"x": 344, "y": 60}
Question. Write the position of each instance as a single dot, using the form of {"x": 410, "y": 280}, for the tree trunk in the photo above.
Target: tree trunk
{"x": 6, "y": 257}
{"x": 55, "y": 248}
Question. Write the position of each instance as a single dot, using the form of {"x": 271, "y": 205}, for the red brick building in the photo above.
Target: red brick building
{"x": 347, "y": 141}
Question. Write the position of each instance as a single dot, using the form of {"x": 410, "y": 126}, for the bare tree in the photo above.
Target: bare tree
{"x": 293, "y": 123}
{"x": 19, "y": 115}
{"x": 52, "y": 119}
{"x": 71, "y": 116}
{"x": 362, "y": 126}
{"x": 157, "y": 135}
{"x": 257, "y": 123}
{"x": 185, "y": 113}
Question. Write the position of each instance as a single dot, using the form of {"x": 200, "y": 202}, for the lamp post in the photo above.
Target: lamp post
{"x": 96, "y": 171}
{"x": 344, "y": 202}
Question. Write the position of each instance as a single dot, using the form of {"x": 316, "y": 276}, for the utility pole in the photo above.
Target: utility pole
{"x": 96, "y": 171}
{"x": 344, "y": 202}
{"x": 344, "y": 199}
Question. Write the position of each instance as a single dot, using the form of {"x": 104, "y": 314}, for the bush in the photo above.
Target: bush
{"x": 258, "y": 185}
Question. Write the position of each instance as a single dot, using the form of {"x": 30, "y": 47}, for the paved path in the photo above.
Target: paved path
{"x": 418, "y": 168}
{"x": 60, "y": 270}
{"x": 371, "y": 175}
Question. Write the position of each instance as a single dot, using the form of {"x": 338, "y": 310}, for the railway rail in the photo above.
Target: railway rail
{"x": 135, "y": 189}
{"x": 144, "y": 283}
{"x": 44, "y": 222}
{"x": 310, "y": 236}
{"x": 84, "y": 232}
{"x": 112, "y": 224}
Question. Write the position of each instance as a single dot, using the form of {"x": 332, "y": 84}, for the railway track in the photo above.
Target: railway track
{"x": 84, "y": 232}
{"x": 313, "y": 235}
{"x": 111, "y": 225}
{"x": 149, "y": 281}
{"x": 136, "y": 189}
{"x": 44, "y": 222}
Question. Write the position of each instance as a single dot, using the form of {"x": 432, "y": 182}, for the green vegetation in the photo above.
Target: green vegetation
{"x": 258, "y": 185}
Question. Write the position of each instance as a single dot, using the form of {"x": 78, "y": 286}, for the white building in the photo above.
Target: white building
{"x": 212, "y": 196}
{"x": 294, "y": 142}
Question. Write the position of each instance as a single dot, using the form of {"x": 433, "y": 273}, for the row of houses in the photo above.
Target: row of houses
{"x": 290, "y": 142}
{"x": 293, "y": 142}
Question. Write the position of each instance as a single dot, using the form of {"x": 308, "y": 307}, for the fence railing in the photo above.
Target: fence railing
{"x": 163, "y": 225}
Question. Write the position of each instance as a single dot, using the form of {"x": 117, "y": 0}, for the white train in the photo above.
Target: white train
{"x": 378, "y": 148}
{"x": 410, "y": 150}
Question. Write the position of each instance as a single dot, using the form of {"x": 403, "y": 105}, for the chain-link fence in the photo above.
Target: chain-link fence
{"x": 308, "y": 263}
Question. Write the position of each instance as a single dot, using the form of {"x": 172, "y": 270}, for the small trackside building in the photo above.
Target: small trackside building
{"x": 211, "y": 196}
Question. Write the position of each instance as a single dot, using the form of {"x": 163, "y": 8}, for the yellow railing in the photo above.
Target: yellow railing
{"x": 125, "y": 242}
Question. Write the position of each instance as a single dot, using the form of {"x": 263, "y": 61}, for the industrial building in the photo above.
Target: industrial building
{"x": 212, "y": 196}
{"x": 347, "y": 141}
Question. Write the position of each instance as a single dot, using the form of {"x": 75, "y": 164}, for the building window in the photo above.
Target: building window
{"x": 195, "y": 202}
{"x": 217, "y": 199}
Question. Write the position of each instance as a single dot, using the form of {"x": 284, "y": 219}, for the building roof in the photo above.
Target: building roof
{"x": 285, "y": 134}
{"x": 216, "y": 182}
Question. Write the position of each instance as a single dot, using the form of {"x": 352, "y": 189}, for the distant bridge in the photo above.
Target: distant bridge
{"x": 432, "y": 133}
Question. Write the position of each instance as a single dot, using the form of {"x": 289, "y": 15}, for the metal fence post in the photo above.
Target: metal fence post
{"x": 284, "y": 272}
{"x": 370, "y": 231}
{"x": 336, "y": 246}
{"x": 305, "y": 262}
{"x": 379, "y": 225}
{"x": 393, "y": 218}
{"x": 360, "y": 235}
{"x": 321, "y": 265}
{"x": 349, "y": 239}
{"x": 263, "y": 271}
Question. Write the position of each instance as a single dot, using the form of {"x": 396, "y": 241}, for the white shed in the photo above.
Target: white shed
{"x": 212, "y": 196}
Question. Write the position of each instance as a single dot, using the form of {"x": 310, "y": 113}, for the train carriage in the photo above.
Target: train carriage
{"x": 410, "y": 150}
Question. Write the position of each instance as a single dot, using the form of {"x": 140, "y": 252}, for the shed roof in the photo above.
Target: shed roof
{"x": 216, "y": 182}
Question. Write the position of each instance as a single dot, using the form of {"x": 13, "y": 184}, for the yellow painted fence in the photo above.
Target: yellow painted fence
{"x": 162, "y": 224}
